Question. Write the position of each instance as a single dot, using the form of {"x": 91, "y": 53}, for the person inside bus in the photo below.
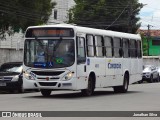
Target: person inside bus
{"x": 70, "y": 51}
{"x": 68, "y": 54}
{"x": 40, "y": 57}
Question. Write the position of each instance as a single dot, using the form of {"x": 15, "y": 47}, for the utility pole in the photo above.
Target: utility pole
{"x": 148, "y": 37}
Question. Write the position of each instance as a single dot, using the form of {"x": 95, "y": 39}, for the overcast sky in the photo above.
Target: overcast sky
{"x": 150, "y": 14}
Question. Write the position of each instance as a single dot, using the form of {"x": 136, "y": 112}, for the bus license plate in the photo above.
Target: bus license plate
{"x": 2, "y": 84}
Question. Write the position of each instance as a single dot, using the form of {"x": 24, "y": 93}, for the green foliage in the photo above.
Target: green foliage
{"x": 117, "y": 15}
{"x": 144, "y": 45}
{"x": 16, "y": 15}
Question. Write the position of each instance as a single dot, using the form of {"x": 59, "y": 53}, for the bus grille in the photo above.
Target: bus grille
{"x": 47, "y": 73}
{"x": 48, "y": 83}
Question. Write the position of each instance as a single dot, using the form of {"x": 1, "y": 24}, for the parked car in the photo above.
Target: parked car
{"x": 150, "y": 74}
{"x": 158, "y": 69}
{"x": 11, "y": 76}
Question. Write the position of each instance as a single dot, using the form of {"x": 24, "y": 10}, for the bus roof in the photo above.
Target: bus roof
{"x": 92, "y": 31}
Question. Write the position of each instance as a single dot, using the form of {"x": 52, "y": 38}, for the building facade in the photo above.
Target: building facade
{"x": 60, "y": 12}
{"x": 151, "y": 39}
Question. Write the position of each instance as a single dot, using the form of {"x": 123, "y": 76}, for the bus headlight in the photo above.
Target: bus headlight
{"x": 68, "y": 76}
{"x": 28, "y": 76}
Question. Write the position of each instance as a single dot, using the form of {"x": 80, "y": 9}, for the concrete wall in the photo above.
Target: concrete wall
{"x": 151, "y": 60}
{"x": 15, "y": 41}
{"x": 10, "y": 55}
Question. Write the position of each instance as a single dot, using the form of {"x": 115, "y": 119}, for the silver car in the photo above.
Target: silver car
{"x": 150, "y": 74}
{"x": 158, "y": 69}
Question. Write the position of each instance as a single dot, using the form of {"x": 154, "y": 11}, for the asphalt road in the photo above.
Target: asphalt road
{"x": 140, "y": 97}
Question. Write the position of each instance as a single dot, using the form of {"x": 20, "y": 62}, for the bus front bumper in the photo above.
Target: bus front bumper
{"x": 59, "y": 85}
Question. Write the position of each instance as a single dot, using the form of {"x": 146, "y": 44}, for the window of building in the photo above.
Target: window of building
{"x": 108, "y": 43}
{"x": 99, "y": 46}
{"x": 125, "y": 48}
{"x": 55, "y": 14}
{"x": 156, "y": 42}
{"x": 117, "y": 47}
{"x": 90, "y": 45}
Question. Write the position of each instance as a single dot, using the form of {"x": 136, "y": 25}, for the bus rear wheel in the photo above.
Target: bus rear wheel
{"x": 124, "y": 87}
{"x": 90, "y": 89}
{"x": 45, "y": 92}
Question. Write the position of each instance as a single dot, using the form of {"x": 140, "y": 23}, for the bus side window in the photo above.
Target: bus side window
{"x": 90, "y": 45}
{"x": 139, "y": 53}
{"x": 108, "y": 43}
{"x": 99, "y": 46}
{"x": 133, "y": 48}
{"x": 81, "y": 57}
{"x": 117, "y": 47}
{"x": 126, "y": 48}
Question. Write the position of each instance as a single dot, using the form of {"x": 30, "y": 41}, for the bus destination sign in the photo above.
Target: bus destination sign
{"x": 50, "y": 32}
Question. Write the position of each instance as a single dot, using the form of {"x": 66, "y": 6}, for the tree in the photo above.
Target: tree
{"x": 144, "y": 44}
{"x": 117, "y": 15}
{"x": 16, "y": 15}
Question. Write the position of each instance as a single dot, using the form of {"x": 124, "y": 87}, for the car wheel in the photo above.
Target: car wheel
{"x": 158, "y": 78}
{"x": 46, "y": 92}
{"x": 151, "y": 79}
{"x": 141, "y": 81}
{"x": 21, "y": 90}
{"x": 12, "y": 91}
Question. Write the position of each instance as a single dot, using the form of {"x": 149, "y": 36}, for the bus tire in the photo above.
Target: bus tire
{"x": 90, "y": 89}
{"x": 45, "y": 92}
{"x": 158, "y": 78}
{"x": 124, "y": 87}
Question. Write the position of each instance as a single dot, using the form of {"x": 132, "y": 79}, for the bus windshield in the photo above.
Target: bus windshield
{"x": 55, "y": 53}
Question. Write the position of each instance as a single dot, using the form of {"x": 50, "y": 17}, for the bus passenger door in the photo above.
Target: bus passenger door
{"x": 81, "y": 63}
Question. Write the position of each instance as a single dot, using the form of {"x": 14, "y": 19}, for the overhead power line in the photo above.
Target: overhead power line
{"x": 117, "y": 17}
{"x": 20, "y": 8}
{"x": 31, "y": 16}
{"x": 33, "y": 19}
{"x": 3, "y": 8}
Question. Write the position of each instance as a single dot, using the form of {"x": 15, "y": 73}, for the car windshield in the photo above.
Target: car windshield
{"x": 158, "y": 68}
{"x": 11, "y": 68}
{"x": 56, "y": 53}
{"x": 147, "y": 69}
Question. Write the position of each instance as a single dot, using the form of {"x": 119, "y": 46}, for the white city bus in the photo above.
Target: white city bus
{"x": 68, "y": 57}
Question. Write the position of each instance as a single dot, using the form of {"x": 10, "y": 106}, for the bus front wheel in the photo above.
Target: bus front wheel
{"x": 124, "y": 87}
{"x": 90, "y": 89}
{"x": 45, "y": 92}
